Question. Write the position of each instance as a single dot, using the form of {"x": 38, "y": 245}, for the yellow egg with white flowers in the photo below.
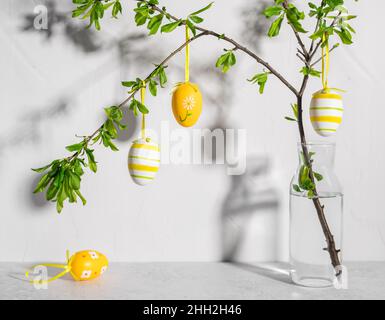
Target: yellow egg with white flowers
{"x": 83, "y": 265}
{"x": 187, "y": 103}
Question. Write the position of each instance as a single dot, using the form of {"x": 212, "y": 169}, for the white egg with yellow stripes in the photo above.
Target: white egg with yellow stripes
{"x": 326, "y": 110}
{"x": 143, "y": 161}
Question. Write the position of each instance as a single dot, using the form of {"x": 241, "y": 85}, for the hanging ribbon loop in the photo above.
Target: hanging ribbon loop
{"x": 187, "y": 61}
{"x": 325, "y": 61}
{"x": 326, "y": 67}
{"x": 142, "y": 98}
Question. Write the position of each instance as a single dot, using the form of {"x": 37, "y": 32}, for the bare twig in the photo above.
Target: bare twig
{"x": 320, "y": 58}
{"x": 301, "y": 58}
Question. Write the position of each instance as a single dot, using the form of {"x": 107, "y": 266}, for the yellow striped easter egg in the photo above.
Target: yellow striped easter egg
{"x": 326, "y": 110}
{"x": 143, "y": 161}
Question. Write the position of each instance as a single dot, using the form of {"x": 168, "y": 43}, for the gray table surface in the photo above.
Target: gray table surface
{"x": 196, "y": 280}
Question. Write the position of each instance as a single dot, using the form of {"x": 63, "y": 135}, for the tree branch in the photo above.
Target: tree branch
{"x": 234, "y": 43}
{"x": 172, "y": 54}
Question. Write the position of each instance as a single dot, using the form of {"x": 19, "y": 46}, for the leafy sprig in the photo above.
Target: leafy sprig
{"x": 146, "y": 14}
{"x": 294, "y": 108}
{"x": 61, "y": 179}
{"x": 260, "y": 79}
{"x": 305, "y": 182}
{"x": 94, "y": 10}
{"x": 226, "y": 61}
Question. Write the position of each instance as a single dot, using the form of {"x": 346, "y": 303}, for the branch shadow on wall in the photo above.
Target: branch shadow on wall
{"x": 250, "y": 221}
{"x": 251, "y": 201}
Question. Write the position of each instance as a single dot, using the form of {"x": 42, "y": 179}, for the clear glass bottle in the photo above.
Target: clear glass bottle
{"x": 310, "y": 262}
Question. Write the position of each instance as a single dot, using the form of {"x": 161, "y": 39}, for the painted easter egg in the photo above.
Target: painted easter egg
{"x": 187, "y": 104}
{"x": 326, "y": 110}
{"x": 87, "y": 265}
{"x": 143, "y": 161}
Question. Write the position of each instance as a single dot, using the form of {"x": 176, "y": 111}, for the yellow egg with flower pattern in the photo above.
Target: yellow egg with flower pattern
{"x": 187, "y": 103}
{"x": 87, "y": 265}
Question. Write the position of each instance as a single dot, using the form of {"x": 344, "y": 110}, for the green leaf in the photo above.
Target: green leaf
{"x": 196, "y": 19}
{"x": 110, "y": 128}
{"x": 107, "y": 5}
{"x": 112, "y": 146}
{"x": 134, "y": 107}
{"x": 226, "y": 61}
{"x": 293, "y": 19}
{"x": 155, "y": 23}
{"x": 296, "y": 188}
{"x": 75, "y": 147}
{"x": 153, "y": 87}
{"x": 290, "y": 119}
{"x": 142, "y": 108}
{"x": 40, "y": 170}
{"x": 170, "y": 26}
{"x": 74, "y": 181}
{"x": 51, "y": 192}
{"x": 345, "y": 36}
{"x": 310, "y": 71}
{"x": 272, "y": 11}
{"x": 128, "y": 84}
{"x": 202, "y": 10}
{"x": 294, "y": 107}
{"x": 59, "y": 177}
{"x": 84, "y": 201}
{"x": 59, "y": 206}
{"x": 318, "y": 176}
{"x": 191, "y": 27}
{"x": 260, "y": 79}
{"x": 68, "y": 188}
{"x": 141, "y": 17}
{"x": 162, "y": 76}
{"x": 117, "y": 8}
{"x": 91, "y": 160}
{"x": 78, "y": 168}
{"x": 61, "y": 196}
{"x": 275, "y": 27}
{"x": 44, "y": 180}
{"x": 303, "y": 178}
{"x": 114, "y": 113}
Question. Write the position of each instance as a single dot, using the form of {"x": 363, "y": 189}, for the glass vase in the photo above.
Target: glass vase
{"x": 311, "y": 264}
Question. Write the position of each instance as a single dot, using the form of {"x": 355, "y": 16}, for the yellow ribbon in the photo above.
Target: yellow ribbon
{"x": 326, "y": 67}
{"x": 142, "y": 97}
{"x": 67, "y": 269}
{"x": 187, "y": 61}
{"x": 325, "y": 61}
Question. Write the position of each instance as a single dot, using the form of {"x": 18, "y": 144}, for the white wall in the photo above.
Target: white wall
{"x": 52, "y": 90}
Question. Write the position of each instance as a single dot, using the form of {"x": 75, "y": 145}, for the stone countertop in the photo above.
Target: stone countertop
{"x": 194, "y": 280}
